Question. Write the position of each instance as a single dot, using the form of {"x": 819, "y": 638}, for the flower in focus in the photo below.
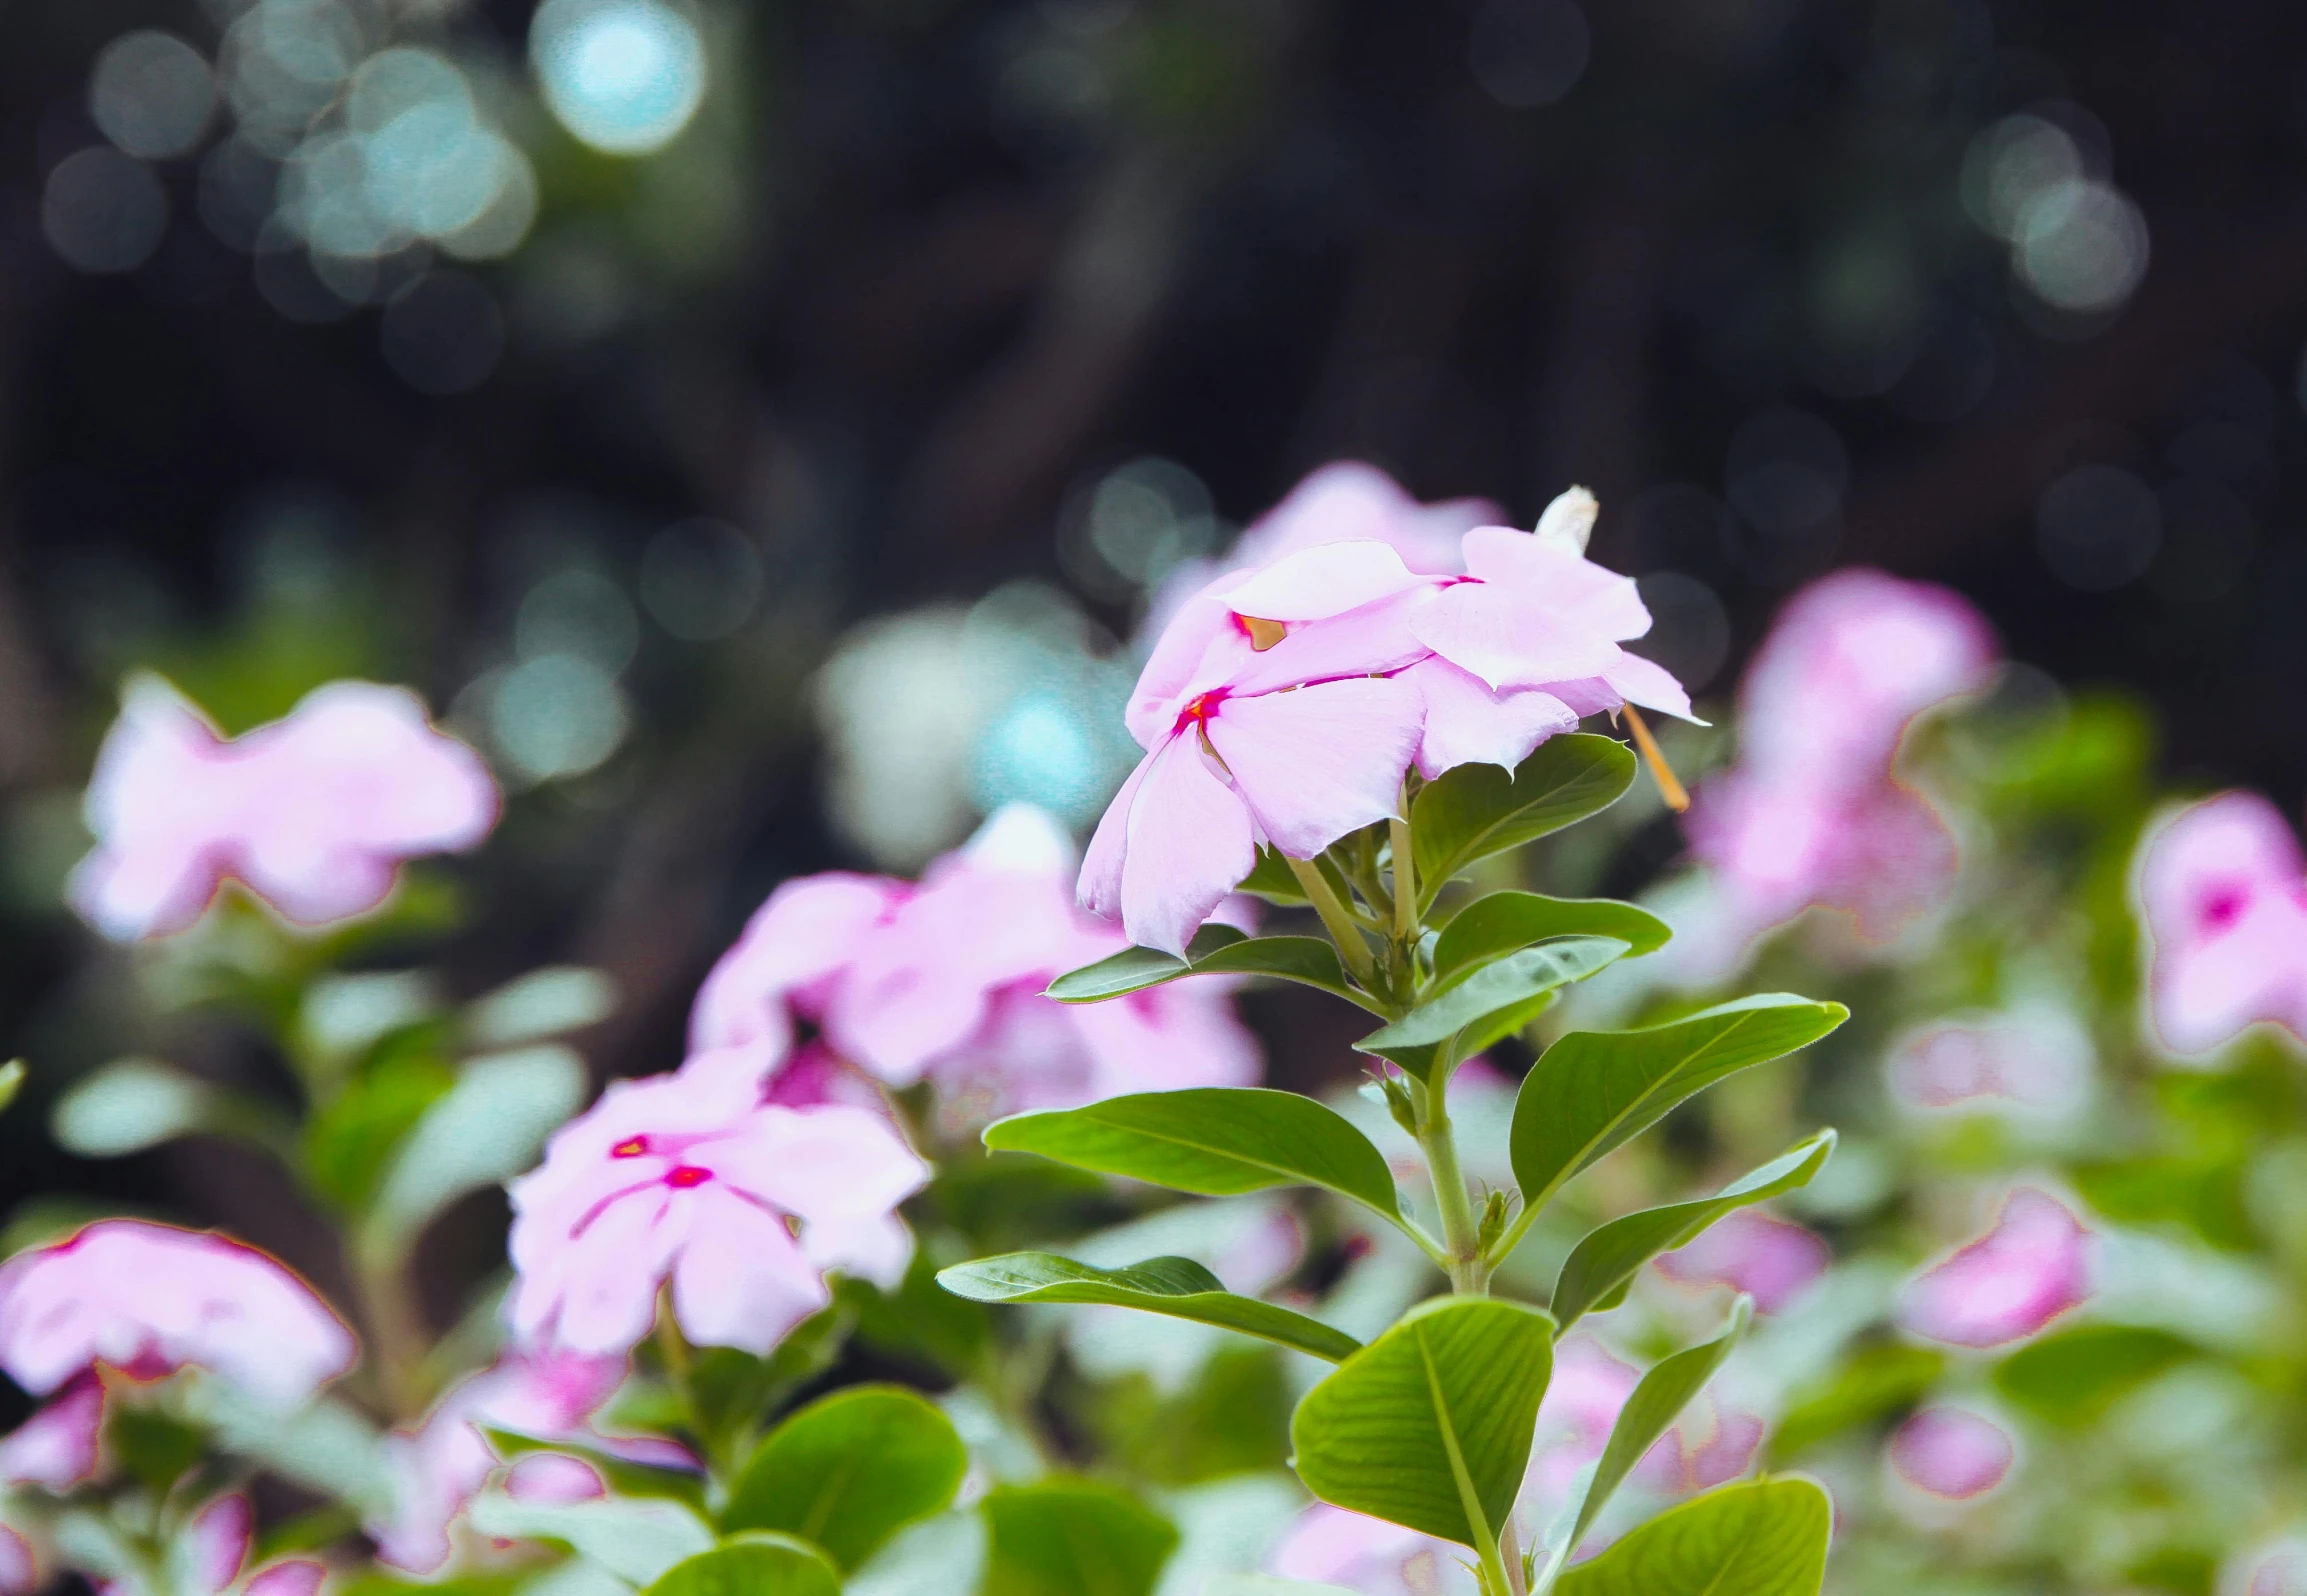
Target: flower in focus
{"x": 689, "y": 1180}
{"x": 2223, "y": 891}
{"x": 2010, "y": 1283}
{"x": 146, "y": 1299}
{"x": 1951, "y": 1453}
{"x": 1812, "y": 812}
{"x": 313, "y": 813}
{"x": 1334, "y": 1546}
{"x": 437, "y": 1469}
{"x": 1771, "y": 1260}
{"x": 944, "y": 981}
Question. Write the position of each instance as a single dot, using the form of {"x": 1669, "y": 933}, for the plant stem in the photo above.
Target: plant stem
{"x": 1335, "y": 919}
{"x": 396, "y": 1330}
{"x": 1494, "y": 1577}
{"x": 1510, "y": 1549}
{"x": 1469, "y": 1271}
{"x": 1405, "y": 881}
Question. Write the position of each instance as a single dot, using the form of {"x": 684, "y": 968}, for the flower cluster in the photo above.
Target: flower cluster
{"x": 1283, "y": 703}
{"x": 1813, "y": 813}
{"x": 313, "y": 813}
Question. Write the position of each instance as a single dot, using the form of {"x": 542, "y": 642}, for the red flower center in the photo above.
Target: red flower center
{"x": 631, "y": 1147}
{"x": 686, "y": 1176}
{"x": 2224, "y": 907}
{"x": 1198, "y": 712}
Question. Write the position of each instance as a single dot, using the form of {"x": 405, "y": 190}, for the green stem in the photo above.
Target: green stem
{"x": 1335, "y": 918}
{"x": 1494, "y": 1577}
{"x": 1461, "y": 1238}
{"x": 1405, "y": 881}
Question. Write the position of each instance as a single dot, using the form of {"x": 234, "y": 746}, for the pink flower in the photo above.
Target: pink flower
{"x": 314, "y": 813}
{"x": 2036, "y": 1062}
{"x": 1811, "y": 813}
{"x": 148, "y": 1299}
{"x": 1337, "y": 1547}
{"x": 944, "y": 981}
{"x": 2010, "y": 1283}
{"x": 688, "y": 1179}
{"x": 440, "y": 1467}
{"x": 1772, "y": 1260}
{"x": 214, "y": 1548}
{"x": 1711, "y": 1443}
{"x": 554, "y": 1477}
{"x": 2224, "y": 894}
{"x": 22, "y": 1571}
{"x": 1952, "y": 1453}
{"x": 61, "y": 1445}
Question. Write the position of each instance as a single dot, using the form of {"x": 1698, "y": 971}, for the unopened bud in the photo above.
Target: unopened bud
{"x": 1398, "y": 1103}
{"x": 1493, "y": 1220}
{"x": 1569, "y": 521}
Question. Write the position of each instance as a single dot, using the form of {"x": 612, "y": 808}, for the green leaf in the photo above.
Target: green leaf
{"x": 2072, "y": 1377}
{"x": 348, "y": 1144}
{"x": 1213, "y": 1141}
{"x": 1593, "y": 1090}
{"x": 539, "y": 1006}
{"x": 1662, "y": 1395}
{"x": 1763, "y": 1539}
{"x": 1178, "y": 1287}
{"x": 1487, "y": 1006}
{"x": 1878, "y": 1380}
{"x": 1475, "y": 811}
{"x": 849, "y": 1471}
{"x": 1430, "y": 1425}
{"x": 1491, "y": 927}
{"x": 11, "y": 1082}
{"x": 1066, "y": 1537}
{"x": 489, "y": 1128}
{"x": 136, "y": 1103}
{"x": 1607, "y": 1259}
{"x": 752, "y": 1565}
{"x": 1272, "y": 879}
{"x": 636, "y": 1541}
{"x": 1215, "y": 950}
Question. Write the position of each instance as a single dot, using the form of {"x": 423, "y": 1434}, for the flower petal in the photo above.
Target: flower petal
{"x": 1190, "y": 843}
{"x": 1317, "y": 763}
{"x": 1465, "y": 723}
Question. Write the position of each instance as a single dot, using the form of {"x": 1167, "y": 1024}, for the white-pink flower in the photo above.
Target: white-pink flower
{"x": 1951, "y": 1453}
{"x": 2223, "y": 891}
{"x": 148, "y": 1299}
{"x": 943, "y": 981}
{"x": 438, "y": 1468}
{"x": 1335, "y": 1546}
{"x": 22, "y": 1569}
{"x": 313, "y": 813}
{"x": 2030, "y": 1061}
{"x": 211, "y": 1555}
{"x": 689, "y": 1180}
{"x": 2010, "y": 1283}
{"x": 62, "y": 1444}
{"x": 1770, "y": 1259}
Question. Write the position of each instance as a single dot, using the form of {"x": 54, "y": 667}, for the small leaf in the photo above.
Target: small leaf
{"x": 349, "y": 1143}
{"x": 1307, "y": 960}
{"x": 1600, "y": 1266}
{"x": 1662, "y": 1395}
{"x": 489, "y": 1128}
{"x": 752, "y": 1565}
{"x": 1067, "y": 1537}
{"x": 1491, "y": 927}
{"x": 1764, "y": 1539}
{"x": 636, "y": 1541}
{"x": 1475, "y": 811}
{"x": 540, "y": 1005}
{"x": 1178, "y": 1287}
{"x": 1213, "y": 1141}
{"x": 1430, "y": 1425}
{"x": 1488, "y": 1006}
{"x": 1272, "y": 879}
{"x": 1593, "y": 1090}
{"x": 2072, "y": 1377}
{"x": 136, "y": 1103}
{"x": 849, "y": 1471}
{"x": 11, "y": 1082}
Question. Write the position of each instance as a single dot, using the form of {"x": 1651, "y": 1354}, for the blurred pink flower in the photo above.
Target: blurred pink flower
{"x": 214, "y": 1549}
{"x": 2224, "y": 894}
{"x": 148, "y": 1299}
{"x": 554, "y": 1477}
{"x": 61, "y": 1445}
{"x": 1812, "y": 812}
{"x": 1772, "y": 1260}
{"x": 2033, "y": 1061}
{"x": 1334, "y": 1546}
{"x": 1711, "y": 1443}
{"x": 1952, "y": 1453}
{"x": 944, "y": 981}
{"x": 438, "y": 1468}
{"x": 2010, "y": 1283}
{"x": 22, "y": 1571}
{"x": 688, "y": 1179}
{"x": 313, "y": 813}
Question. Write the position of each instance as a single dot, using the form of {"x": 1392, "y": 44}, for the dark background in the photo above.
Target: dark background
{"x": 898, "y": 297}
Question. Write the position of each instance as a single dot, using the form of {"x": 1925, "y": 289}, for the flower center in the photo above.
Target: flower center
{"x": 686, "y": 1176}
{"x": 1200, "y": 711}
{"x": 2223, "y": 908}
{"x": 631, "y": 1147}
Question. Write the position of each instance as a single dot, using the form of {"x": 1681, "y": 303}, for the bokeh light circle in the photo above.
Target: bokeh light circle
{"x": 152, "y": 94}
{"x": 103, "y": 211}
{"x": 624, "y": 76}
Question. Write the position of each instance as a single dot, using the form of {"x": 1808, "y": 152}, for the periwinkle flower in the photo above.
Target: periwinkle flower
{"x": 2224, "y": 894}
{"x": 313, "y": 813}
{"x": 2010, "y": 1283}
{"x": 691, "y": 1182}
{"x": 1336, "y": 1546}
{"x": 1951, "y": 1453}
{"x": 1772, "y": 1260}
